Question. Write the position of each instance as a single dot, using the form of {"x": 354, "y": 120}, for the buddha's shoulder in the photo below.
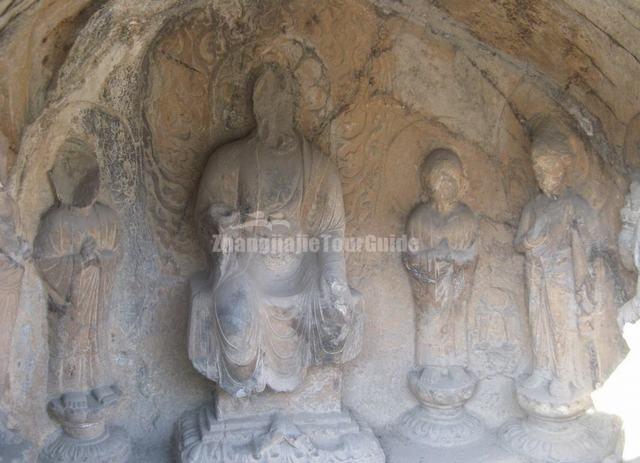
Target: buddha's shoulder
{"x": 55, "y": 214}
{"x": 466, "y": 215}
{"x": 422, "y": 212}
{"x": 105, "y": 211}
{"x": 232, "y": 151}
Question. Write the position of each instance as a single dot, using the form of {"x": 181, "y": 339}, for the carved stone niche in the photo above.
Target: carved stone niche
{"x": 576, "y": 342}
{"x": 270, "y": 325}
{"x": 14, "y": 252}
{"x": 77, "y": 251}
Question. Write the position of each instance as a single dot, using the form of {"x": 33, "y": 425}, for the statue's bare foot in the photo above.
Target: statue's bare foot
{"x": 560, "y": 389}
{"x": 458, "y": 374}
{"x": 75, "y": 401}
{"x": 535, "y": 381}
{"x": 105, "y": 395}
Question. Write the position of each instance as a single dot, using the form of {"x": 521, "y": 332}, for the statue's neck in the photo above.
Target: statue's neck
{"x": 279, "y": 142}
{"x": 554, "y": 196}
{"x": 81, "y": 210}
{"x": 445, "y": 208}
{"x": 275, "y": 137}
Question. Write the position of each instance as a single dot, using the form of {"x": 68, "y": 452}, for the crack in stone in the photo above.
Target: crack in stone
{"x": 628, "y": 21}
{"x": 611, "y": 37}
{"x": 179, "y": 61}
{"x": 593, "y": 63}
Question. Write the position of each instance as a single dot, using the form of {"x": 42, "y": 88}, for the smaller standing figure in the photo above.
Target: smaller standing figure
{"x": 576, "y": 344}
{"x": 14, "y": 252}
{"x": 630, "y": 242}
{"x": 442, "y": 264}
{"x": 77, "y": 251}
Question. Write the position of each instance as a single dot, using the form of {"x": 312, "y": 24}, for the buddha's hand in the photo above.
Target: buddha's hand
{"x": 538, "y": 234}
{"x": 89, "y": 252}
{"x": 629, "y": 313}
{"x": 223, "y": 216}
{"x": 585, "y": 324}
{"x": 341, "y": 299}
{"x": 20, "y": 252}
{"x": 25, "y": 250}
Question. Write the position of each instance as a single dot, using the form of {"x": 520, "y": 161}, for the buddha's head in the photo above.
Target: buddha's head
{"x": 76, "y": 176}
{"x": 274, "y": 105}
{"x": 443, "y": 178}
{"x": 552, "y": 153}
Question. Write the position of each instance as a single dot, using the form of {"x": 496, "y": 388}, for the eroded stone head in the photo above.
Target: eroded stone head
{"x": 76, "y": 175}
{"x": 552, "y": 153}
{"x": 274, "y": 99}
{"x": 442, "y": 176}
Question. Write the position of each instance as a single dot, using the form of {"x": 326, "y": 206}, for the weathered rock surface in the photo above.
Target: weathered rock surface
{"x": 153, "y": 88}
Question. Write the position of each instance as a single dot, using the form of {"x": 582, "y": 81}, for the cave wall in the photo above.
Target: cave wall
{"x": 156, "y": 87}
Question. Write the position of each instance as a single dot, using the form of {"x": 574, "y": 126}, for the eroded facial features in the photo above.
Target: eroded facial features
{"x": 76, "y": 179}
{"x": 273, "y": 107}
{"x": 444, "y": 184}
{"x": 550, "y": 173}
{"x": 86, "y": 192}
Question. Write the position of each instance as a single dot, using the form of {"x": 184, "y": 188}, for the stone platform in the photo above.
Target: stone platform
{"x": 399, "y": 449}
{"x": 306, "y": 425}
{"x": 312, "y": 438}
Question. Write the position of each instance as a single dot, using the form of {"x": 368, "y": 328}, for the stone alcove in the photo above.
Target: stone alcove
{"x": 154, "y": 89}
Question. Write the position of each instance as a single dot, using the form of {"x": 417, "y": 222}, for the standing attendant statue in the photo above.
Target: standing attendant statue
{"x": 78, "y": 251}
{"x": 442, "y": 268}
{"x": 14, "y": 252}
{"x": 630, "y": 247}
{"x": 573, "y": 332}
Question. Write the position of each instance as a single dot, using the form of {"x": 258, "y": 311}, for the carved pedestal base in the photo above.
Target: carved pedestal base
{"x": 435, "y": 427}
{"x": 441, "y": 420}
{"x": 594, "y": 438}
{"x": 84, "y": 436}
{"x": 313, "y": 438}
{"x": 112, "y": 447}
{"x": 399, "y": 449}
{"x": 560, "y": 431}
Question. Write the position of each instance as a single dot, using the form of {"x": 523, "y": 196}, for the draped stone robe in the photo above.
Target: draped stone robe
{"x": 79, "y": 293}
{"x": 260, "y": 319}
{"x": 10, "y": 278}
{"x": 567, "y": 284}
{"x": 442, "y": 270}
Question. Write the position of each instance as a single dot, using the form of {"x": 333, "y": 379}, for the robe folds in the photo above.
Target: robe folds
{"x": 79, "y": 292}
{"x": 260, "y": 318}
{"x": 11, "y": 273}
{"x": 442, "y": 270}
{"x": 569, "y": 291}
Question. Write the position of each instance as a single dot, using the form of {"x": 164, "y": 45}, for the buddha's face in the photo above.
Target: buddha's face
{"x": 550, "y": 173}
{"x": 273, "y": 106}
{"x": 444, "y": 183}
